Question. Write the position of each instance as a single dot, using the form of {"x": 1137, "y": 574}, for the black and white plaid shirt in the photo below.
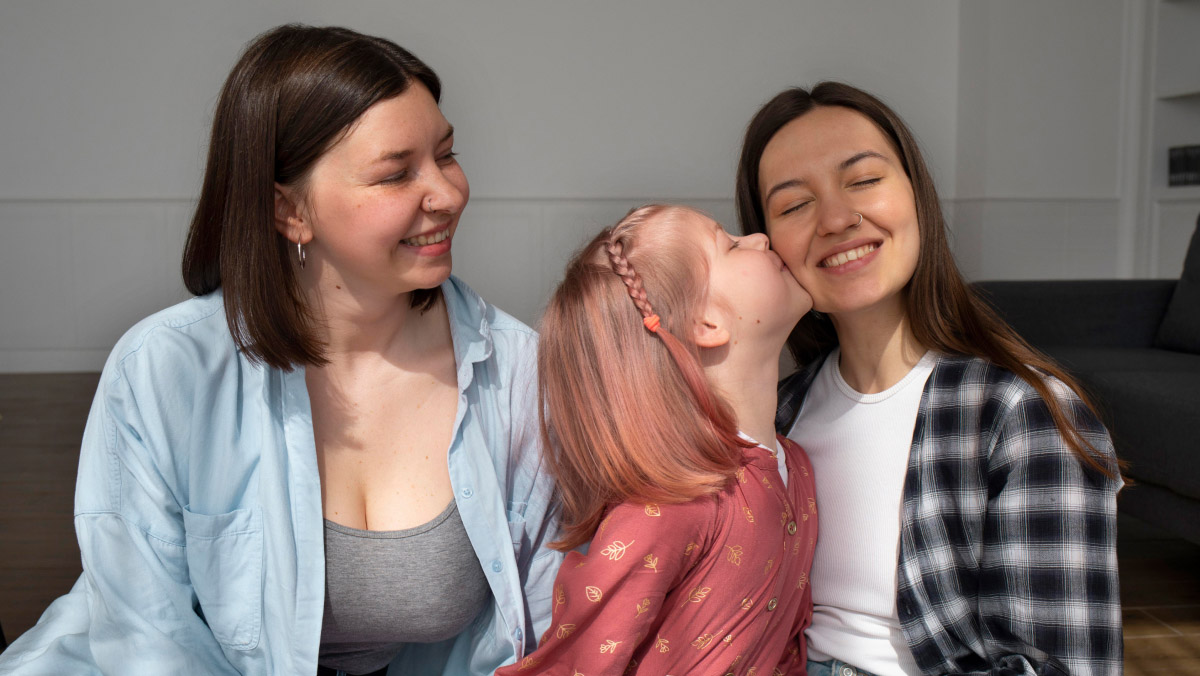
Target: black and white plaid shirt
{"x": 1008, "y": 543}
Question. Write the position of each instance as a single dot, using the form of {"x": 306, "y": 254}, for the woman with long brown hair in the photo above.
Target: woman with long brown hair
{"x": 967, "y": 487}
{"x": 330, "y": 455}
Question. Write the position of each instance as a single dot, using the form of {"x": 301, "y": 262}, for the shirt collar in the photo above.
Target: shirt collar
{"x": 470, "y": 328}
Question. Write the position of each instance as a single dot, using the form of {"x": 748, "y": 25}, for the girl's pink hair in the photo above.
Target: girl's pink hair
{"x": 626, "y": 414}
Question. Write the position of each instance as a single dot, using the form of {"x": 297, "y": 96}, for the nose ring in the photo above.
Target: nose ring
{"x": 859, "y": 220}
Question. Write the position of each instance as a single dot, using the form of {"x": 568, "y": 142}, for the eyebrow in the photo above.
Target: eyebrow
{"x": 846, "y": 164}
{"x": 401, "y": 154}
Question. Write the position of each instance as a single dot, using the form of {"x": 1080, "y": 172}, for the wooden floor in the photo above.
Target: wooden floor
{"x": 41, "y": 422}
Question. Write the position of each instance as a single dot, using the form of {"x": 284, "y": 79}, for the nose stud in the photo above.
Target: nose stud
{"x": 859, "y": 220}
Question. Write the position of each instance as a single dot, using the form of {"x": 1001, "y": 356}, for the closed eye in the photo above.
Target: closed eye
{"x": 866, "y": 182}
{"x": 396, "y": 178}
{"x": 797, "y": 207}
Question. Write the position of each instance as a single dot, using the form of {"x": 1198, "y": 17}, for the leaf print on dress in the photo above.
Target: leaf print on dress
{"x": 802, "y": 581}
{"x": 643, "y": 606}
{"x": 616, "y": 550}
{"x": 662, "y": 644}
{"x": 609, "y": 646}
{"x": 560, "y": 597}
{"x": 697, "y": 595}
{"x": 767, "y": 568}
{"x": 651, "y": 562}
{"x": 749, "y": 514}
{"x": 603, "y": 524}
{"x": 734, "y": 555}
{"x": 529, "y": 663}
{"x": 702, "y": 641}
{"x": 565, "y": 630}
{"x": 691, "y": 547}
{"x": 747, "y": 603}
{"x": 653, "y": 510}
{"x": 594, "y": 594}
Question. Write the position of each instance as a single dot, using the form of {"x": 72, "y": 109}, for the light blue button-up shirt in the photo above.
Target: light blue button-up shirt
{"x": 198, "y": 508}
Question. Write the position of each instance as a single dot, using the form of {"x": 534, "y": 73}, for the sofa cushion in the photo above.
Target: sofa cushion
{"x": 1083, "y": 361}
{"x": 1137, "y": 407}
{"x": 1180, "y": 328}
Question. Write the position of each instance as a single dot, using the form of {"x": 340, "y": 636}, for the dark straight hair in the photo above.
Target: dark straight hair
{"x": 945, "y": 313}
{"x": 292, "y": 95}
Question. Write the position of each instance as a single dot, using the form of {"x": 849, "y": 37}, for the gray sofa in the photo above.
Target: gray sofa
{"x": 1135, "y": 347}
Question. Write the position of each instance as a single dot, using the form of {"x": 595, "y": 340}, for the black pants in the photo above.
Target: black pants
{"x": 326, "y": 671}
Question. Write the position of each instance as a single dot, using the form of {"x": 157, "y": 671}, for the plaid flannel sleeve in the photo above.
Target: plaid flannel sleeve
{"x": 1048, "y": 589}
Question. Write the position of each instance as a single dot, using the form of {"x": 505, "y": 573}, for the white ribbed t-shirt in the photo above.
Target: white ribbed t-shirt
{"x": 858, "y": 444}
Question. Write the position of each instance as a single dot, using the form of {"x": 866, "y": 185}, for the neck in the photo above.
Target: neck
{"x": 878, "y": 347}
{"x": 365, "y": 326}
{"x": 749, "y": 383}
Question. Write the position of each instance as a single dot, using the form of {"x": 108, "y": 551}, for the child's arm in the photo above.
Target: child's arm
{"x": 608, "y": 601}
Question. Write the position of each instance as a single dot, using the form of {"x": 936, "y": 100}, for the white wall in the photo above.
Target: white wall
{"x": 567, "y": 115}
{"x": 1043, "y": 138}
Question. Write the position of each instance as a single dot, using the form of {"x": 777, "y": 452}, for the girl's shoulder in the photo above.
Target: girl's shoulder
{"x": 691, "y": 521}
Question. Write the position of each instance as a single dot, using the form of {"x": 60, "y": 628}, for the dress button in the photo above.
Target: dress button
{"x": 496, "y": 565}
{"x": 467, "y": 492}
{"x": 771, "y": 604}
{"x": 791, "y": 528}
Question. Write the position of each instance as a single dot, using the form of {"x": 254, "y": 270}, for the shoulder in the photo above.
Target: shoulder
{"x": 973, "y": 383}
{"x": 180, "y": 340}
{"x": 684, "y": 521}
{"x": 967, "y": 396}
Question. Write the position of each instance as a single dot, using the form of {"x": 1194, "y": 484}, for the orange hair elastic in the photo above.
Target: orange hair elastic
{"x": 651, "y": 323}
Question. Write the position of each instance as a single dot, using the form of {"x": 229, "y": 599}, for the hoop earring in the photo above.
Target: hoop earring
{"x": 300, "y": 255}
{"x": 859, "y": 220}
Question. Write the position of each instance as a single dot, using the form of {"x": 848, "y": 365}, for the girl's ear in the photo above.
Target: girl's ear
{"x": 289, "y": 221}
{"x": 708, "y": 333}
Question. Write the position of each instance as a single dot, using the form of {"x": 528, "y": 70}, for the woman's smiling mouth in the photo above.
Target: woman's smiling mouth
{"x": 844, "y": 257}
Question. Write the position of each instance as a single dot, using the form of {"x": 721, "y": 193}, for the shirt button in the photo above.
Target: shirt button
{"x": 791, "y": 528}
{"x": 771, "y": 604}
{"x": 848, "y": 671}
{"x": 518, "y": 633}
{"x": 496, "y": 565}
{"x": 467, "y": 492}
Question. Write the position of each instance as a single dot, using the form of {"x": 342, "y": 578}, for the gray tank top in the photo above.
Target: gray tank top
{"x": 387, "y": 588}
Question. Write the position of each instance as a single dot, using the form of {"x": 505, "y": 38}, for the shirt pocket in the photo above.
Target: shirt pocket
{"x": 225, "y": 562}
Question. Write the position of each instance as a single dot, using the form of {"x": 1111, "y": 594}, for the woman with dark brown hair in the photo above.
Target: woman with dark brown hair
{"x": 330, "y": 455}
{"x": 967, "y": 487}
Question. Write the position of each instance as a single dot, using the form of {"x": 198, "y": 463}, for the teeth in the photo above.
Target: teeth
{"x": 425, "y": 240}
{"x": 847, "y": 256}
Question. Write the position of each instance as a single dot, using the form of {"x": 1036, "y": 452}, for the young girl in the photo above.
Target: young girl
{"x": 658, "y": 365}
{"x": 968, "y": 490}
